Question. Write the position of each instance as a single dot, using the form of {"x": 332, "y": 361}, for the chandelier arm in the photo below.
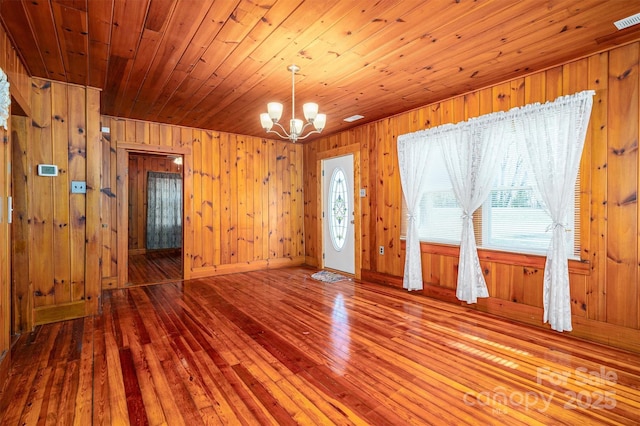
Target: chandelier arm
{"x": 285, "y": 136}
{"x": 307, "y": 124}
{"x": 283, "y": 129}
{"x": 308, "y": 134}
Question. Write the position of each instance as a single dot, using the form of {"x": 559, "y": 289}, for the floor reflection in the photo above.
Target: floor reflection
{"x": 340, "y": 335}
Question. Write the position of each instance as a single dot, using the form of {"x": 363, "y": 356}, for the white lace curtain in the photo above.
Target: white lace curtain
{"x": 413, "y": 155}
{"x": 471, "y": 153}
{"x": 164, "y": 210}
{"x": 554, "y": 134}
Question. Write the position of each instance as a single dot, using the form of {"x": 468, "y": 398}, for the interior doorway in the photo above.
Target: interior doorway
{"x": 155, "y": 212}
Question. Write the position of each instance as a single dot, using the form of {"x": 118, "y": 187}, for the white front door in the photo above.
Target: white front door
{"x": 338, "y": 234}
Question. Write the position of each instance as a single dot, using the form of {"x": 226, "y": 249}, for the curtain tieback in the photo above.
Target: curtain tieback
{"x": 556, "y": 225}
{"x": 410, "y": 216}
{"x": 465, "y": 216}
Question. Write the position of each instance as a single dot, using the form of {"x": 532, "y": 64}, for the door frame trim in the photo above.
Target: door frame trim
{"x": 357, "y": 231}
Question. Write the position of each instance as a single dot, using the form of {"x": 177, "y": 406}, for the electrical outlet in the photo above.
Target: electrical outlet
{"x": 381, "y": 249}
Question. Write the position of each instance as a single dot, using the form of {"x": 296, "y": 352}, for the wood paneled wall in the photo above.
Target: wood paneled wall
{"x": 139, "y": 166}
{"x": 243, "y": 197}
{"x": 62, "y": 229}
{"x": 605, "y": 286}
{"x": 19, "y": 89}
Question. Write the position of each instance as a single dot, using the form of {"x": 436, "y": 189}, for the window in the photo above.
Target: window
{"x": 339, "y": 208}
{"x": 439, "y": 217}
{"x": 512, "y": 218}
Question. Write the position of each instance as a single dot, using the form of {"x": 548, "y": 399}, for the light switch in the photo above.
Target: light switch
{"x": 78, "y": 187}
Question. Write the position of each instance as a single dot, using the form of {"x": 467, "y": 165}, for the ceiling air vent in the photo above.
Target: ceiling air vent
{"x": 353, "y": 118}
{"x": 628, "y": 21}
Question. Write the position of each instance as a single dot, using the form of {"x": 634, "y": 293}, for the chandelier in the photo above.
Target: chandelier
{"x": 296, "y": 126}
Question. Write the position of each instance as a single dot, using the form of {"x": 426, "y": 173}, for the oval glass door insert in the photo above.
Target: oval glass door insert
{"x": 338, "y": 208}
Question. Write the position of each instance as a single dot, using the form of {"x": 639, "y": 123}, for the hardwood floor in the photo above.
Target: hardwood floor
{"x": 155, "y": 266}
{"x": 277, "y": 347}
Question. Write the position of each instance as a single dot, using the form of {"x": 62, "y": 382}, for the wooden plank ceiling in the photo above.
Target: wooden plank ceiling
{"x": 215, "y": 64}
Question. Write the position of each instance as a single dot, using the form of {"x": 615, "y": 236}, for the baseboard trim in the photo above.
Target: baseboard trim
{"x": 232, "y": 268}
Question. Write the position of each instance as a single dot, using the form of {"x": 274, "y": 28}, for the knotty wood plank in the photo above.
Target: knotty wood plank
{"x": 261, "y": 202}
{"x": 139, "y": 213}
{"x": 576, "y": 79}
{"x": 251, "y": 166}
{"x": 83, "y": 405}
{"x": 135, "y": 131}
{"x": 37, "y": 393}
{"x": 381, "y": 193}
{"x": 225, "y": 199}
{"x": 272, "y": 155}
{"x": 312, "y": 205}
{"x": 622, "y": 206}
{"x": 137, "y": 72}
{"x": 77, "y": 152}
{"x": 135, "y": 404}
{"x": 232, "y": 385}
{"x": 135, "y": 193}
{"x": 22, "y": 294}
{"x": 242, "y": 191}
{"x": 41, "y": 15}
{"x": 394, "y": 204}
{"x": 203, "y": 232}
{"x": 73, "y": 36}
{"x": 109, "y": 188}
{"x": 200, "y": 223}
{"x": 61, "y": 202}
{"x": 41, "y": 229}
{"x": 168, "y": 403}
{"x": 597, "y": 281}
{"x": 534, "y": 88}
{"x": 116, "y": 403}
{"x": 285, "y": 210}
{"x": 93, "y": 234}
{"x": 297, "y": 218}
{"x": 366, "y": 218}
{"x": 174, "y": 40}
{"x": 107, "y": 193}
{"x": 281, "y": 209}
{"x": 122, "y": 161}
{"x": 130, "y": 24}
{"x": 553, "y": 78}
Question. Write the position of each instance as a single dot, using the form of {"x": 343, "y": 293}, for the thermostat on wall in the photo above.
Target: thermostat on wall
{"x": 47, "y": 170}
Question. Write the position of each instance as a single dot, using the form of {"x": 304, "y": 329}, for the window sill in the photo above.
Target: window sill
{"x": 580, "y": 267}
